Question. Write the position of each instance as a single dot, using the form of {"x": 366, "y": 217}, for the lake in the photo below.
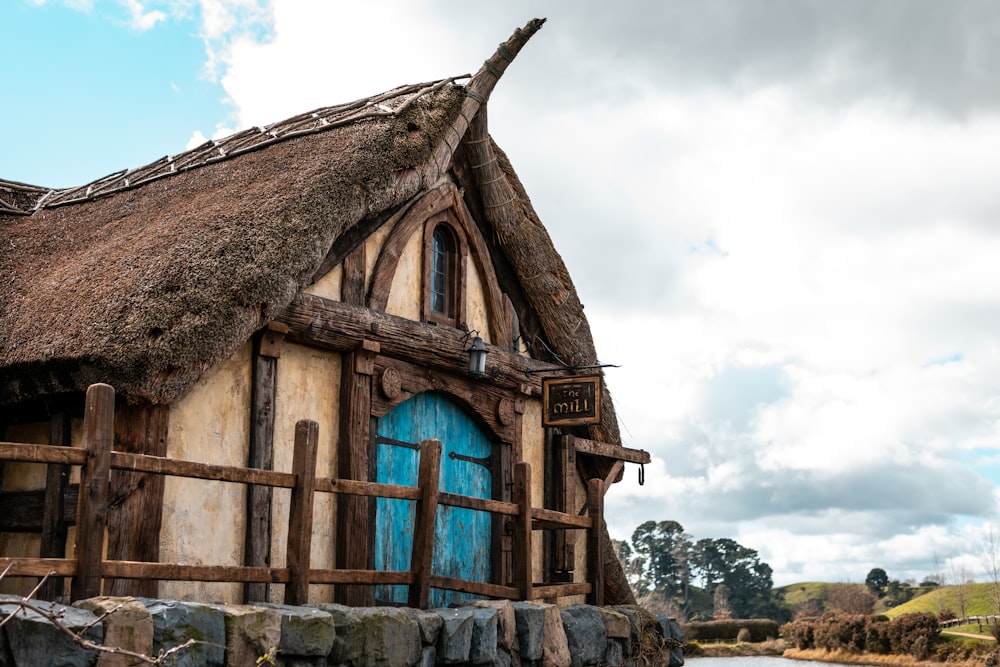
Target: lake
{"x": 754, "y": 661}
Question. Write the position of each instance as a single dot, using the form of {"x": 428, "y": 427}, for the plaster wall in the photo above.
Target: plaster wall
{"x": 204, "y": 521}
{"x": 475, "y": 302}
{"x": 405, "y": 294}
{"x": 533, "y": 451}
{"x": 308, "y": 388}
{"x": 328, "y": 286}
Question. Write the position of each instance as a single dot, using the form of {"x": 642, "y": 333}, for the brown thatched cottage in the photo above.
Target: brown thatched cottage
{"x": 349, "y": 266}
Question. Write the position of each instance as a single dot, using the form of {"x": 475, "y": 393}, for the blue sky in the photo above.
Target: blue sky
{"x": 96, "y": 95}
{"x": 817, "y": 379}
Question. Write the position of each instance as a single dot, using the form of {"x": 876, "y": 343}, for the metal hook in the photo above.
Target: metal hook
{"x": 642, "y": 474}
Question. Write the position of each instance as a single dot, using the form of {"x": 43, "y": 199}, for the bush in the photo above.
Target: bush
{"x": 913, "y": 634}
{"x": 760, "y": 629}
{"x": 743, "y": 636}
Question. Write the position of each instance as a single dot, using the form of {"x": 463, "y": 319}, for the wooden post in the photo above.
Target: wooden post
{"x": 425, "y": 521}
{"x": 353, "y": 542}
{"x": 300, "y": 513}
{"x": 595, "y": 541}
{"x": 523, "y": 575}
{"x": 53, "y": 526}
{"x": 92, "y": 507}
{"x": 135, "y": 498}
{"x": 564, "y": 541}
{"x": 257, "y": 552}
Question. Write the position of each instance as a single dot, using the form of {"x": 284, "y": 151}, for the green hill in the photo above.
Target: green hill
{"x": 978, "y": 601}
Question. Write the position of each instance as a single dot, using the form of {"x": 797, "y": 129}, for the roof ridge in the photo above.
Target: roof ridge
{"x": 217, "y": 150}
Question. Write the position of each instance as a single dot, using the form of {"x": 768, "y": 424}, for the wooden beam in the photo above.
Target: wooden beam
{"x": 263, "y": 392}
{"x": 196, "y": 470}
{"x": 300, "y": 513}
{"x": 353, "y": 543}
{"x": 542, "y": 591}
{"x": 328, "y": 324}
{"x": 523, "y": 574}
{"x": 92, "y": 511}
{"x": 136, "y": 498}
{"x": 425, "y": 513}
{"x": 595, "y": 541}
{"x": 595, "y": 448}
{"x": 352, "y": 283}
{"x": 30, "y": 453}
{"x": 564, "y": 478}
{"x": 475, "y": 587}
{"x": 54, "y": 526}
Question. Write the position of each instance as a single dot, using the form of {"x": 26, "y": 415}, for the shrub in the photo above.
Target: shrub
{"x": 743, "y": 636}
{"x": 915, "y": 634}
{"x": 760, "y": 629}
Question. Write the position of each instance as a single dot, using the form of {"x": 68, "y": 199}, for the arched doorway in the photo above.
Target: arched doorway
{"x": 462, "y": 536}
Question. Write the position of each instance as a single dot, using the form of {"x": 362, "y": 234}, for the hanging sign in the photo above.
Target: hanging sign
{"x": 571, "y": 401}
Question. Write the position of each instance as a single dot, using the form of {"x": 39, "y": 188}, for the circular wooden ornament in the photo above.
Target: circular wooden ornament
{"x": 505, "y": 411}
{"x": 389, "y": 383}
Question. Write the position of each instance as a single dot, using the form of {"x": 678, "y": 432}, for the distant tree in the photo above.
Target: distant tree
{"x": 666, "y": 553}
{"x": 747, "y": 579}
{"x": 721, "y": 608}
{"x": 807, "y": 609}
{"x": 897, "y": 593}
{"x": 851, "y": 599}
{"x": 960, "y": 578}
{"x": 876, "y": 581}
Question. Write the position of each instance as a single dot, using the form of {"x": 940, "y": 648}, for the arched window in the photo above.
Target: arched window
{"x": 444, "y": 262}
{"x": 442, "y": 268}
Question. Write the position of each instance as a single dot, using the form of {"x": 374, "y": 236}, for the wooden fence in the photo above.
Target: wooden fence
{"x": 97, "y": 458}
{"x": 972, "y": 620}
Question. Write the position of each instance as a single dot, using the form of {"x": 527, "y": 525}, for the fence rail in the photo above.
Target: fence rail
{"x": 96, "y": 459}
{"x": 971, "y": 620}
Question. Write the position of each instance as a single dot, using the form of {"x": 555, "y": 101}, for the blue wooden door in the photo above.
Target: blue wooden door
{"x": 462, "y": 536}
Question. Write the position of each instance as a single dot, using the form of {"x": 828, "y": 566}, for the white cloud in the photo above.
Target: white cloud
{"x": 141, "y": 18}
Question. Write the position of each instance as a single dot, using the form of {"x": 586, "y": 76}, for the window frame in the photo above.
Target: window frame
{"x": 456, "y": 267}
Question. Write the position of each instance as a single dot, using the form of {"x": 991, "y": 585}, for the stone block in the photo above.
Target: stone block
{"x": 585, "y": 635}
{"x": 33, "y": 639}
{"x": 305, "y": 631}
{"x": 176, "y": 622}
{"x": 540, "y": 634}
{"x": 128, "y": 625}
{"x": 614, "y": 654}
{"x": 455, "y": 641}
{"x": 373, "y": 636}
{"x": 485, "y": 623}
{"x": 529, "y": 620}
{"x": 507, "y": 630}
{"x": 250, "y": 632}
{"x": 616, "y": 625}
{"x": 429, "y": 624}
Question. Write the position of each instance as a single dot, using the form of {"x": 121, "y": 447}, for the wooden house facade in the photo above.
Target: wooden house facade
{"x": 347, "y": 266}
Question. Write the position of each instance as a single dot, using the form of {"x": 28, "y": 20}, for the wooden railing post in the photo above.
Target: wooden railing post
{"x": 595, "y": 540}
{"x": 425, "y": 521}
{"x": 300, "y": 513}
{"x": 523, "y": 575}
{"x": 92, "y": 506}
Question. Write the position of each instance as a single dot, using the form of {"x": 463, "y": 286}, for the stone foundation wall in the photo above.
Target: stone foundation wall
{"x": 487, "y": 632}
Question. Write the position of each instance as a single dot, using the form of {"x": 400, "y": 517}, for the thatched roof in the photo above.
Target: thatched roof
{"x": 146, "y": 279}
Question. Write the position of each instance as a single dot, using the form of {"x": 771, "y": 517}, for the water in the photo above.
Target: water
{"x": 754, "y": 661}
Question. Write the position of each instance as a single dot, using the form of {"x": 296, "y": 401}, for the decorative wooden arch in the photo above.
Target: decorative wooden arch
{"x": 443, "y": 198}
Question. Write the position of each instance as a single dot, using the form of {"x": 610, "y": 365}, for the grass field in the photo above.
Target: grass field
{"x": 979, "y": 601}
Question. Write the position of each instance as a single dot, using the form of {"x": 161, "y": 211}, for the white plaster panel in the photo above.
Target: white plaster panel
{"x": 203, "y": 520}
{"x": 405, "y": 295}
{"x": 328, "y": 286}
{"x": 308, "y": 387}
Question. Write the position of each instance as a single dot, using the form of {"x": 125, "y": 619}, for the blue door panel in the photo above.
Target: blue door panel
{"x": 462, "y": 536}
